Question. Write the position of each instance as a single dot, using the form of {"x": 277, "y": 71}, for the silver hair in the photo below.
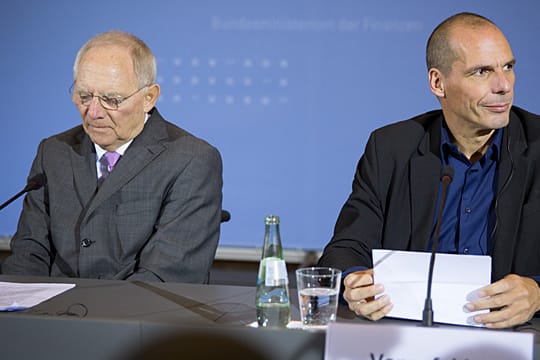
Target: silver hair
{"x": 144, "y": 62}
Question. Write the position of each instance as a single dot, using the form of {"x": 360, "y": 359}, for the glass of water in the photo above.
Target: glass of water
{"x": 318, "y": 290}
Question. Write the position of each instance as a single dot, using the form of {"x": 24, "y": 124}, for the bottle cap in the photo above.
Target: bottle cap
{"x": 271, "y": 219}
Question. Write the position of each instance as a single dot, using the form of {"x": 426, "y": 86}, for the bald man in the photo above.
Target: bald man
{"x": 493, "y": 203}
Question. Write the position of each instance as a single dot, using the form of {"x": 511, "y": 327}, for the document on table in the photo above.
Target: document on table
{"x": 21, "y": 296}
{"x": 455, "y": 281}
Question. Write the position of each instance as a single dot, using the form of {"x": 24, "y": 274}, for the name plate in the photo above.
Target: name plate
{"x": 407, "y": 342}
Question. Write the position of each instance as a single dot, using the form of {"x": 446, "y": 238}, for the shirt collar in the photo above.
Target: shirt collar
{"x": 447, "y": 146}
{"x": 121, "y": 150}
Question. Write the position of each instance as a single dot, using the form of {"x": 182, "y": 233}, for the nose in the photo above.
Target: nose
{"x": 503, "y": 82}
{"x": 95, "y": 110}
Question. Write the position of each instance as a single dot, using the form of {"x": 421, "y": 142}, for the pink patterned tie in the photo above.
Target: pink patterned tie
{"x": 111, "y": 158}
{"x": 108, "y": 161}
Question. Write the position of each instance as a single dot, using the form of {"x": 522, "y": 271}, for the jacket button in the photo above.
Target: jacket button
{"x": 86, "y": 242}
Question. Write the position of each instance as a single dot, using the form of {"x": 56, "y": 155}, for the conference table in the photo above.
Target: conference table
{"x": 109, "y": 319}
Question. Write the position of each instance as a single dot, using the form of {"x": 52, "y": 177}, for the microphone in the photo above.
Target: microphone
{"x": 447, "y": 174}
{"x": 225, "y": 216}
{"x": 34, "y": 183}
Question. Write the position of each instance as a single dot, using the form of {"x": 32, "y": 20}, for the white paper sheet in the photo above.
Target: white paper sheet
{"x": 455, "y": 281}
{"x": 21, "y": 296}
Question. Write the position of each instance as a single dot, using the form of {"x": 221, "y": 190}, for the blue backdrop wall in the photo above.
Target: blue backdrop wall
{"x": 288, "y": 91}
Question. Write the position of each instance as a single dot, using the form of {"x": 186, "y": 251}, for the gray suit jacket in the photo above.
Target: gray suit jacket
{"x": 156, "y": 217}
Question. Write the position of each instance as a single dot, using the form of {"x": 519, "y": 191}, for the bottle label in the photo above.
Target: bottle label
{"x": 276, "y": 272}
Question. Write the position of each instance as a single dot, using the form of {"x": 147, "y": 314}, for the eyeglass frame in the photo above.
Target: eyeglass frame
{"x": 103, "y": 100}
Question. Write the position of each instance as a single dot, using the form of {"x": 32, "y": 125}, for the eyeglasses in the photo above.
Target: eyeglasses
{"x": 84, "y": 98}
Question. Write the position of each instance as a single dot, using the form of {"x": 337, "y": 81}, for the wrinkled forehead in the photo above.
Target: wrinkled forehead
{"x": 484, "y": 45}
{"x": 106, "y": 68}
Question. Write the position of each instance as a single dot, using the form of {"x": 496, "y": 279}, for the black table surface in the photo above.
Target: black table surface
{"x": 107, "y": 319}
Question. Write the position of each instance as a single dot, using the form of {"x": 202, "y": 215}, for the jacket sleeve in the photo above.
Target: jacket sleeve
{"x": 360, "y": 223}
{"x": 31, "y": 250}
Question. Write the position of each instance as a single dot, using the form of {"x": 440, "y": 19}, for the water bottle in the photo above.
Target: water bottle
{"x": 272, "y": 296}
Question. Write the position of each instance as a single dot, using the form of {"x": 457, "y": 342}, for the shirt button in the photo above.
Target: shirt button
{"x": 86, "y": 243}
{"x": 466, "y": 250}
{"x": 468, "y": 210}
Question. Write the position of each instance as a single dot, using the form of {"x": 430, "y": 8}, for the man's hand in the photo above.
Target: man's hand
{"x": 360, "y": 294}
{"x": 513, "y": 301}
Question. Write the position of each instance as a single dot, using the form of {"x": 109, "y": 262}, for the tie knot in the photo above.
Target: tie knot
{"x": 111, "y": 158}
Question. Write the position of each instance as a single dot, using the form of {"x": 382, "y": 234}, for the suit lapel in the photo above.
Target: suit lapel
{"x": 425, "y": 172}
{"x": 83, "y": 162}
{"x": 512, "y": 175}
{"x": 144, "y": 149}
{"x": 424, "y": 179}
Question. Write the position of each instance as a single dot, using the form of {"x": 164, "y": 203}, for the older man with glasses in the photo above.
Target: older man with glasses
{"x": 128, "y": 194}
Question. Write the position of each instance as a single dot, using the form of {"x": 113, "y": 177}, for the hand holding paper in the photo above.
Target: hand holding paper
{"x": 455, "y": 281}
{"x": 516, "y": 297}
{"x": 359, "y": 292}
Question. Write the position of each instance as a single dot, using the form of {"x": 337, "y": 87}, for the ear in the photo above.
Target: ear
{"x": 436, "y": 82}
{"x": 151, "y": 96}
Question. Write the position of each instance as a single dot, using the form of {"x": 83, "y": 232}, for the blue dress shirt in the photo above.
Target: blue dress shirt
{"x": 469, "y": 215}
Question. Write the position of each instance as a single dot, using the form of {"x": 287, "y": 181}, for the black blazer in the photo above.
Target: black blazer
{"x": 395, "y": 190}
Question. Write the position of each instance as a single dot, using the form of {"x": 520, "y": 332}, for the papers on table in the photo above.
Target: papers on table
{"x": 455, "y": 281}
{"x": 21, "y": 296}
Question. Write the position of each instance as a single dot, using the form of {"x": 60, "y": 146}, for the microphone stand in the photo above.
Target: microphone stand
{"x": 447, "y": 174}
{"x": 12, "y": 199}
{"x": 33, "y": 184}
